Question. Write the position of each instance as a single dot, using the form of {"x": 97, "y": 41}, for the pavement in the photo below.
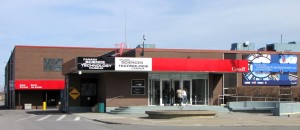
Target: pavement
{"x": 221, "y": 119}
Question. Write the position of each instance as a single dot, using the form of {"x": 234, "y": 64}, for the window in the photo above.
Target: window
{"x": 53, "y": 64}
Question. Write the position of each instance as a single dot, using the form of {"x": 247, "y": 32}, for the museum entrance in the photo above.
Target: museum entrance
{"x": 88, "y": 89}
{"x": 164, "y": 88}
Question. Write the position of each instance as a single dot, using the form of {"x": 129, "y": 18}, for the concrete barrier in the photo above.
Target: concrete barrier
{"x": 278, "y": 108}
{"x": 253, "y": 106}
{"x": 282, "y": 109}
{"x": 167, "y": 114}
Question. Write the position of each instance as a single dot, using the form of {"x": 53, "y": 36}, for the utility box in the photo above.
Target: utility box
{"x": 27, "y": 106}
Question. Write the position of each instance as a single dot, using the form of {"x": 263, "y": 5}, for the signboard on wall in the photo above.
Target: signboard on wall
{"x": 39, "y": 84}
{"x": 199, "y": 65}
{"x": 138, "y": 87}
{"x": 138, "y": 91}
{"x": 133, "y": 64}
{"x": 271, "y": 70}
{"x": 93, "y": 63}
{"x": 138, "y": 82}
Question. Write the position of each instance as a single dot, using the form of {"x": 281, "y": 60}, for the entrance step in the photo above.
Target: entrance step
{"x": 142, "y": 109}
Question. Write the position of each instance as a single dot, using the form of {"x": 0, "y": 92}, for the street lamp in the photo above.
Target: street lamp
{"x": 144, "y": 39}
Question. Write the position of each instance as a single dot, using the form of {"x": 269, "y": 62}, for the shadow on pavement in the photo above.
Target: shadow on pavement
{"x": 42, "y": 112}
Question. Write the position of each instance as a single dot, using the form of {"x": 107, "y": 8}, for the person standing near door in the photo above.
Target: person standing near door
{"x": 184, "y": 96}
{"x": 179, "y": 96}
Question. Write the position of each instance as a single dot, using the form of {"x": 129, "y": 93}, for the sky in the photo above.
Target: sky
{"x": 185, "y": 24}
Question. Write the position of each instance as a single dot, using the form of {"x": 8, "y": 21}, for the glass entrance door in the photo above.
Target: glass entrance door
{"x": 182, "y": 85}
{"x": 164, "y": 91}
{"x": 154, "y": 92}
{"x": 200, "y": 92}
{"x": 176, "y": 86}
{"x": 160, "y": 92}
{"x": 187, "y": 87}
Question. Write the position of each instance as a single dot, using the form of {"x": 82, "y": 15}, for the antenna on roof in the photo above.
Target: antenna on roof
{"x": 143, "y": 51}
{"x": 125, "y": 27}
{"x": 281, "y": 38}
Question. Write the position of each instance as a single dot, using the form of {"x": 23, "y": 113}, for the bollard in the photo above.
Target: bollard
{"x": 44, "y": 106}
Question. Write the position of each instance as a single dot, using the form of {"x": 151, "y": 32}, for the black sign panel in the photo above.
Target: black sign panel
{"x": 93, "y": 63}
{"x": 138, "y": 90}
{"x": 138, "y": 82}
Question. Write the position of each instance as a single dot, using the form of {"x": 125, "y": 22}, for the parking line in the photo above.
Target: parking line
{"x": 44, "y": 118}
{"x": 77, "y": 118}
{"x": 61, "y": 117}
{"x": 26, "y": 118}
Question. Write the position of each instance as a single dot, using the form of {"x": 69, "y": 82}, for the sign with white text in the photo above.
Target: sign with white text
{"x": 138, "y": 87}
{"x": 39, "y": 84}
{"x": 93, "y": 63}
{"x": 133, "y": 64}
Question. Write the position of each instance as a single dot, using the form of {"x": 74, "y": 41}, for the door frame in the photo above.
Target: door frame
{"x": 190, "y": 89}
{"x": 171, "y": 85}
{"x": 151, "y": 95}
{"x": 161, "y": 102}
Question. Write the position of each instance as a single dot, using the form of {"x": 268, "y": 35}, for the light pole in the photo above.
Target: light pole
{"x": 143, "y": 51}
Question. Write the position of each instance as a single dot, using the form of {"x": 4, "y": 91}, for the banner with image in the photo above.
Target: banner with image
{"x": 271, "y": 70}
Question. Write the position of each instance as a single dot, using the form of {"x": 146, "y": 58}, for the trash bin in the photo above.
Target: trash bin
{"x": 101, "y": 107}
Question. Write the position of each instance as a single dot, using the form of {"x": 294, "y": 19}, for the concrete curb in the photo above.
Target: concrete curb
{"x": 223, "y": 120}
{"x": 110, "y": 122}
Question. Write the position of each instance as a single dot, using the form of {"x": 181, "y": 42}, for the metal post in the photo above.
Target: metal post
{"x": 11, "y": 99}
{"x": 195, "y": 99}
{"x": 46, "y": 97}
{"x": 19, "y": 100}
{"x": 281, "y": 38}
{"x": 223, "y": 86}
{"x": 66, "y": 92}
{"x": 143, "y": 51}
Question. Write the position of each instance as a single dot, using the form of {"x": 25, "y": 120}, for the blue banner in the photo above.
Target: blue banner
{"x": 271, "y": 70}
{"x": 274, "y": 67}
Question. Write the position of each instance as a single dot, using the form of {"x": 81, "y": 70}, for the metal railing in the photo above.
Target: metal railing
{"x": 250, "y": 98}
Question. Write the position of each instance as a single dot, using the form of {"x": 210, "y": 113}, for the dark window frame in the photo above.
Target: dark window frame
{"x": 52, "y": 64}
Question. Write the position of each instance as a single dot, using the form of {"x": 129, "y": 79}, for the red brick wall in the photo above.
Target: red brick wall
{"x": 29, "y": 60}
{"x": 215, "y": 87}
{"x": 162, "y": 54}
{"x": 119, "y": 84}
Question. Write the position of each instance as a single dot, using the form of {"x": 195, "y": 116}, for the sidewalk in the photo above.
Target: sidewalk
{"x": 221, "y": 119}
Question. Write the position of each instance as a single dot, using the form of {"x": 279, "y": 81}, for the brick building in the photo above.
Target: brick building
{"x": 80, "y": 78}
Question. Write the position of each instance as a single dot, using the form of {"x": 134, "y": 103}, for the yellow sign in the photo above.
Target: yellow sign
{"x": 74, "y": 94}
